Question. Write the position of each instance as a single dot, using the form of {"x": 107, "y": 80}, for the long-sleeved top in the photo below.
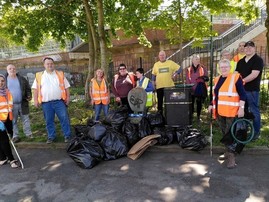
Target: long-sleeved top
{"x": 149, "y": 87}
{"x": 122, "y": 86}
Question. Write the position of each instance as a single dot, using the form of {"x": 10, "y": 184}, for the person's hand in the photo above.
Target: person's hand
{"x": 67, "y": 101}
{"x": 36, "y": 103}
{"x": 241, "y": 112}
{"x": 92, "y": 102}
{"x": 174, "y": 76}
{"x": 2, "y": 126}
{"x": 117, "y": 99}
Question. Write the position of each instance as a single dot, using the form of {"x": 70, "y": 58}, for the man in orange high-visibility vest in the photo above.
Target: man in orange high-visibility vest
{"x": 51, "y": 91}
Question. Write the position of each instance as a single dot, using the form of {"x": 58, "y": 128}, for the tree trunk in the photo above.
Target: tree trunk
{"x": 92, "y": 47}
{"x": 101, "y": 32}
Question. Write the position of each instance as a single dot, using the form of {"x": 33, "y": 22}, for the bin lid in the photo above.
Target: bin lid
{"x": 184, "y": 85}
{"x": 137, "y": 98}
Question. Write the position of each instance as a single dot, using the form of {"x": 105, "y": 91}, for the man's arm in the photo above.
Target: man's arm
{"x": 27, "y": 89}
{"x": 36, "y": 98}
{"x": 67, "y": 96}
{"x": 253, "y": 75}
{"x": 153, "y": 80}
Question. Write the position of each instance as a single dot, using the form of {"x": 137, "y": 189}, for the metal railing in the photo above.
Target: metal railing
{"x": 50, "y": 47}
{"x": 225, "y": 39}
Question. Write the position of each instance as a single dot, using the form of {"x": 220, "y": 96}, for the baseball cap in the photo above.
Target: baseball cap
{"x": 249, "y": 43}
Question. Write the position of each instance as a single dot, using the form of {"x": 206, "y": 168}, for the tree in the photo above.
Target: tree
{"x": 29, "y": 22}
{"x": 186, "y": 20}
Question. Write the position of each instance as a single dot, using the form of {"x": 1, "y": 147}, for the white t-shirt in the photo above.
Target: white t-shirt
{"x": 50, "y": 89}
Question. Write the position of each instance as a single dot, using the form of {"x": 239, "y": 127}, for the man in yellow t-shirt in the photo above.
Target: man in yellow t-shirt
{"x": 163, "y": 74}
{"x": 241, "y": 52}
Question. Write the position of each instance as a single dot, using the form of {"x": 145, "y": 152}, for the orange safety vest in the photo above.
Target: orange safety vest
{"x": 130, "y": 75}
{"x": 201, "y": 72}
{"x": 6, "y": 105}
{"x": 237, "y": 57}
{"x": 99, "y": 93}
{"x": 60, "y": 75}
{"x": 228, "y": 98}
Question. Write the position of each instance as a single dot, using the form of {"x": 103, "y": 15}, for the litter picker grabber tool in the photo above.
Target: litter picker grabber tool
{"x": 22, "y": 166}
{"x": 211, "y": 134}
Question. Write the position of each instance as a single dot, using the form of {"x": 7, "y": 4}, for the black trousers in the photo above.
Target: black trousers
{"x": 199, "y": 103}
{"x": 124, "y": 102}
{"x": 160, "y": 95}
{"x": 5, "y": 148}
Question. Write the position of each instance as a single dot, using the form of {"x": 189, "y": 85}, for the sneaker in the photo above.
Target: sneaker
{"x": 49, "y": 141}
{"x": 14, "y": 164}
{"x": 3, "y": 162}
{"x": 16, "y": 139}
{"x": 67, "y": 139}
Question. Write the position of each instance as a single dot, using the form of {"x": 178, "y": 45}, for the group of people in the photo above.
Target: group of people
{"x": 163, "y": 73}
{"x": 50, "y": 89}
{"x": 236, "y": 90}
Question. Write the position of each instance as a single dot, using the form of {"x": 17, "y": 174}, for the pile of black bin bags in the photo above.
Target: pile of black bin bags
{"x": 117, "y": 133}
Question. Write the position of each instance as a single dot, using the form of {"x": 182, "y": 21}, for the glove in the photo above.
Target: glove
{"x": 2, "y": 126}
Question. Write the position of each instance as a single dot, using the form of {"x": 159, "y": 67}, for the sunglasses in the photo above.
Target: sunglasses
{"x": 122, "y": 68}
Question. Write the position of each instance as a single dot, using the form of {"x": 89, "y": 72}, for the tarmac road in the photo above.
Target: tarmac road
{"x": 160, "y": 174}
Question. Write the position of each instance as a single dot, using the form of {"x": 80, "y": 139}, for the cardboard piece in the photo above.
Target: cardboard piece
{"x": 140, "y": 147}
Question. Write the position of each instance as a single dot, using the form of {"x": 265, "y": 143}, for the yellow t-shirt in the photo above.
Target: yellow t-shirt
{"x": 163, "y": 72}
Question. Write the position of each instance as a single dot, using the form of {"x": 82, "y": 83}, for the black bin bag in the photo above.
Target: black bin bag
{"x": 144, "y": 128}
{"x": 81, "y": 130}
{"x": 97, "y": 132}
{"x": 156, "y": 119}
{"x": 130, "y": 131}
{"x": 167, "y": 135}
{"x": 192, "y": 139}
{"x": 114, "y": 145}
{"x": 85, "y": 152}
{"x": 116, "y": 117}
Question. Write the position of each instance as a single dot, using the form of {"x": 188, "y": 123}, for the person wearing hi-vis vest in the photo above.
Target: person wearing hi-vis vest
{"x": 228, "y": 103}
{"x": 122, "y": 83}
{"x": 99, "y": 94}
{"x": 145, "y": 83}
{"x": 6, "y": 116}
{"x": 225, "y": 54}
{"x": 197, "y": 75}
{"x": 51, "y": 91}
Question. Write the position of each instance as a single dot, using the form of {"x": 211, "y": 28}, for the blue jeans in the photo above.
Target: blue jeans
{"x": 253, "y": 106}
{"x": 59, "y": 108}
{"x": 98, "y": 109}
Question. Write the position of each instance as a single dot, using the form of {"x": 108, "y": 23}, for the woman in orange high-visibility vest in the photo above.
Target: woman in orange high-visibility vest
{"x": 99, "y": 94}
{"x": 197, "y": 74}
{"x": 228, "y": 103}
{"x": 6, "y": 105}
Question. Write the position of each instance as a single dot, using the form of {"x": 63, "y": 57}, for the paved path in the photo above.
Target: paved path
{"x": 158, "y": 175}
